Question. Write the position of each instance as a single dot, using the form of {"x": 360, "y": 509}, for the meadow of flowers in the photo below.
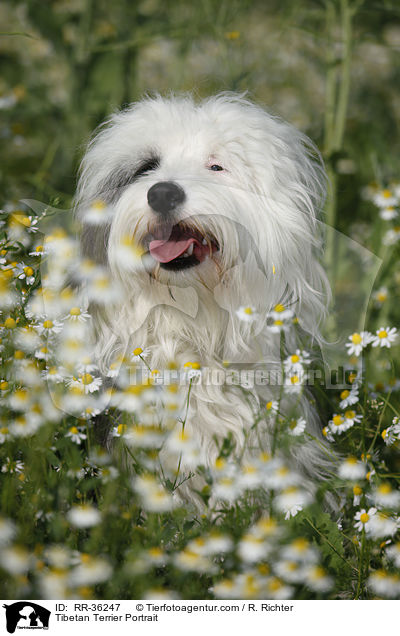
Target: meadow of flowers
{"x": 78, "y": 520}
{"x": 82, "y": 518}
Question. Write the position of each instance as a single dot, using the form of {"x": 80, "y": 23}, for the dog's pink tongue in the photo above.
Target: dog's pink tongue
{"x": 166, "y": 251}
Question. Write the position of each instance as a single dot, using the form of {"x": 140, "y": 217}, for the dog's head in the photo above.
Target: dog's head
{"x": 195, "y": 188}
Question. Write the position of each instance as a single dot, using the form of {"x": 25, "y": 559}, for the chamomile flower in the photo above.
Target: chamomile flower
{"x": 382, "y": 525}
{"x": 294, "y": 381}
{"x": 190, "y": 561}
{"x": 358, "y": 342}
{"x": 138, "y": 354}
{"x": 77, "y": 314}
{"x": 386, "y": 497}
{"x": 352, "y": 469}
{"x": 292, "y": 500}
{"x": 46, "y": 326}
{"x": 153, "y": 495}
{"x": 392, "y": 236}
{"x": 87, "y": 382}
{"x": 388, "y": 213}
{"x": 290, "y": 571}
{"x": 16, "y": 560}
{"x": 90, "y": 571}
{"x": 317, "y": 578}
{"x": 7, "y": 531}
{"x": 84, "y": 516}
{"x": 348, "y": 398}
{"x": 184, "y": 444}
{"x": 393, "y": 553}
{"x": 385, "y": 337}
{"x": 247, "y": 314}
{"x": 76, "y": 435}
{"x": 272, "y": 407}
{"x": 383, "y": 198}
{"x": 297, "y": 427}
{"x": 280, "y": 312}
{"x": 296, "y": 361}
{"x": 384, "y": 584}
{"x": 391, "y": 434}
{"x": 98, "y": 213}
{"x": 129, "y": 254}
{"x": 363, "y": 518}
{"x": 300, "y": 551}
{"x": 253, "y": 548}
{"x": 339, "y": 424}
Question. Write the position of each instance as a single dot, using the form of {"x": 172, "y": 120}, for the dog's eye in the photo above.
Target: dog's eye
{"x": 215, "y": 167}
{"x": 147, "y": 166}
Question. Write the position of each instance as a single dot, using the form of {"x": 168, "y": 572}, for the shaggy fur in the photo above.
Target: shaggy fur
{"x": 253, "y": 187}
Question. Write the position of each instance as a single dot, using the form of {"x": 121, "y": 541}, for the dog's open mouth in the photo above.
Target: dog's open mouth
{"x": 184, "y": 248}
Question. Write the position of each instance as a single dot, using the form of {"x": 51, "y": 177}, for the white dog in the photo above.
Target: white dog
{"x": 223, "y": 199}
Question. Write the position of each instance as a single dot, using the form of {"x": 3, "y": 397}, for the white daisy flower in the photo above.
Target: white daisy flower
{"x": 348, "y": 398}
{"x": 385, "y": 337}
{"x": 153, "y": 495}
{"x": 272, "y": 407}
{"x": 300, "y": 551}
{"x": 358, "y": 342}
{"x": 297, "y": 427}
{"x": 47, "y": 326}
{"x": 385, "y": 584}
{"x": 393, "y": 554}
{"x": 252, "y": 548}
{"x": 389, "y": 213}
{"x": 292, "y": 500}
{"x": 385, "y": 497}
{"x": 352, "y": 469}
{"x": 317, "y": 578}
{"x": 392, "y": 434}
{"x": 382, "y": 525}
{"x": 339, "y": 424}
{"x": 392, "y": 236}
{"x": 363, "y": 518}
{"x": 247, "y": 314}
{"x": 16, "y": 560}
{"x": 91, "y": 570}
{"x": 77, "y": 313}
{"x": 98, "y": 213}
{"x": 7, "y": 531}
{"x": 75, "y": 435}
{"x": 296, "y": 361}
{"x": 86, "y": 381}
{"x": 84, "y": 516}
{"x": 384, "y": 198}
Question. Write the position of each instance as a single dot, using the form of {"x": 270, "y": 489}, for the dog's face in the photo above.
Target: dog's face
{"x": 196, "y": 187}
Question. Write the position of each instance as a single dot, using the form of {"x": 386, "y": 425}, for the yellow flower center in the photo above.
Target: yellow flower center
{"x": 86, "y": 378}
{"x": 344, "y": 394}
{"x": 349, "y": 415}
{"x": 279, "y": 308}
{"x": 382, "y": 334}
{"x": 99, "y": 205}
{"x": 337, "y": 420}
{"x": 75, "y": 311}
{"x": 248, "y": 310}
{"x": 28, "y": 271}
{"x": 294, "y": 379}
{"x": 4, "y": 385}
{"x": 48, "y": 324}
{"x": 357, "y": 490}
{"x": 364, "y": 517}
{"x": 295, "y": 358}
{"x": 356, "y": 338}
{"x": 73, "y": 430}
{"x": 384, "y": 489}
{"x": 10, "y": 323}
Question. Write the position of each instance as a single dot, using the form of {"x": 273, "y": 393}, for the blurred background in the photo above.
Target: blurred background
{"x": 66, "y": 64}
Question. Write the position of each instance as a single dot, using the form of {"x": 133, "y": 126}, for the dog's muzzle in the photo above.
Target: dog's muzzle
{"x": 165, "y": 196}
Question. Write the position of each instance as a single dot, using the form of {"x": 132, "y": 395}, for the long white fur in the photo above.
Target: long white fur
{"x": 262, "y": 209}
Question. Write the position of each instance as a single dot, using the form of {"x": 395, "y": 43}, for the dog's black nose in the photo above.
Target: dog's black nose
{"x": 164, "y": 196}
